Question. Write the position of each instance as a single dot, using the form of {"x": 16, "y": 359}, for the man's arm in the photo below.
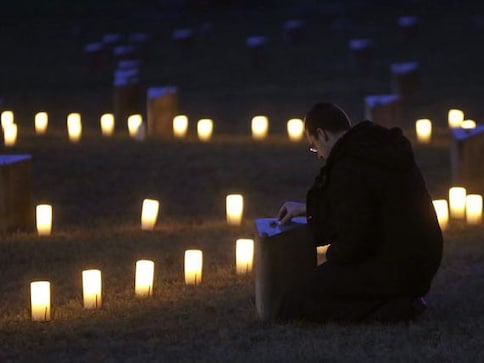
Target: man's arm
{"x": 290, "y": 210}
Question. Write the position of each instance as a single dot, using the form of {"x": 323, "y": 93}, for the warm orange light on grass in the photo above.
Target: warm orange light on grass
{"x": 43, "y": 216}
{"x": 259, "y": 127}
{"x": 40, "y": 300}
{"x": 41, "y": 122}
{"x": 244, "y": 255}
{"x": 6, "y": 118}
{"x": 134, "y": 123}
{"x": 468, "y": 124}
{"x": 424, "y": 130}
{"x": 10, "y": 134}
{"x": 442, "y": 211}
{"x": 193, "y": 267}
{"x": 295, "y": 129}
{"x": 107, "y": 124}
{"x": 74, "y": 127}
{"x": 457, "y": 202}
{"x": 180, "y": 126}
{"x": 205, "y": 129}
{"x": 474, "y": 209}
{"x": 455, "y": 118}
{"x": 234, "y": 204}
{"x": 149, "y": 214}
{"x": 92, "y": 289}
{"x": 143, "y": 286}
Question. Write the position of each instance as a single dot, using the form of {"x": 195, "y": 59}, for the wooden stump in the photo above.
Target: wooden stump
{"x": 127, "y": 94}
{"x": 361, "y": 53}
{"x": 282, "y": 260}
{"x": 294, "y": 31}
{"x": 162, "y": 107}
{"x": 405, "y": 79}
{"x": 97, "y": 56}
{"x": 257, "y": 51}
{"x": 183, "y": 37}
{"x": 16, "y": 212}
{"x": 383, "y": 110}
{"x": 408, "y": 27}
{"x": 467, "y": 156}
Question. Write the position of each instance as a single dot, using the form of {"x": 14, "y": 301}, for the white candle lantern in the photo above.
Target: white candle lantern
{"x": 107, "y": 124}
{"x": 474, "y": 209}
{"x": 74, "y": 127}
{"x": 43, "y": 216}
{"x": 143, "y": 286}
{"x": 41, "y": 121}
{"x": 92, "y": 289}
{"x": 259, "y": 127}
{"x": 149, "y": 214}
{"x": 205, "y": 129}
{"x": 180, "y": 126}
{"x": 6, "y": 118}
{"x": 244, "y": 255}
{"x": 134, "y": 123}
{"x": 10, "y": 134}
{"x": 442, "y": 211}
{"x": 468, "y": 124}
{"x": 455, "y": 118}
{"x": 193, "y": 267}
{"x": 424, "y": 130}
{"x": 295, "y": 129}
{"x": 234, "y": 209}
{"x": 40, "y": 300}
{"x": 457, "y": 202}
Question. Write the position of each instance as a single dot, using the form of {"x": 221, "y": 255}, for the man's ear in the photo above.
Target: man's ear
{"x": 323, "y": 134}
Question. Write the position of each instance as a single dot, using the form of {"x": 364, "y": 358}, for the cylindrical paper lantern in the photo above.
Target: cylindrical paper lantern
{"x": 204, "y": 129}
{"x": 149, "y": 214}
{"x": 143, "y": 286}
{"x": 134, "y": 123}
{"x": 295, "y": 129}
{"x": 468, "y": 124}
{"x": 41, "y": 121}
{"x": 259, "y": 126}
{"x": 6, "y": 118}
{"x": 457, "y": 202}
{"x": 180, "y": 126}
{"x": 10, "y": 134}
{"x": 244, "y": 255}
{"x": 193, "y": 267}
{"x": 40, "y": 300}
{"x": 442, "y": 212}
{"x": 107, "y": 124}
{"x": 43, "y": 216}
{"x": 74, "y": 127}
{"x": 424, "y": 130}
{"x": 234, "y": 209}
{"x": 455, "y": 118}
{"x": 92, "y": 289}
{"x": 474, "y": 209}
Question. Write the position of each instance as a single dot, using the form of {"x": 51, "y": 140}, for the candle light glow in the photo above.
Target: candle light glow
{"x": 455, "y": 118}
{"x": 244, "y": 255}
{"x": 474, "y": 209}
{"x": 40, "y": 300}
{"x": 234, "y": 209}
{"x": 180, "y": 126}
{"x": 457, "y": 202}
{"x": 149, "y": 214}
{"x": 205, "y": 129}
{"x": 41, "y": 121}
{"x": 259, "y": 127}
{"x": 193, "y": 267}
{"x": 74, "y": 127}
{"x": 295, "y": 129}
{"x": 424, "y": 130}
{"x": 6, "y": 118}
{"x": 442, "y": 211}
{"x": 107, "y": 124}
{"x": 92, "y": 289}
{"x": 10, "y": 134}
{"x": 134, "y": 123}
{"x": 43, "y": 215}
{"x": 144, "y": 278}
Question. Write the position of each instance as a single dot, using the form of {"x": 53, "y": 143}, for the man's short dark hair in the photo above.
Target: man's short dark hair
{"x": 326, "y": 116}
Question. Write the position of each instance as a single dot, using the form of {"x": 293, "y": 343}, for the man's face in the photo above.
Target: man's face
{"x": 319, "y": 144}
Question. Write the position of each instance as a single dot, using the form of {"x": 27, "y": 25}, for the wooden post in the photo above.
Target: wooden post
{"x": 257, "y": 45}
{"x": 162, "y": 107}
{"x": 16, "y": 210}
{"x": 127, "y": 94}
{"x": 383, "y": 110}
{"x": 184, "y": 37}
{"x": 361, "y": 53}
{"x": 294, "y": 31}
{"x": 408, "y": 26}
{"x": 405, "y": 79}
{"x": 467, "y": 156}
{"x": 284, "y": 256}
{"x": 97, "y": 56}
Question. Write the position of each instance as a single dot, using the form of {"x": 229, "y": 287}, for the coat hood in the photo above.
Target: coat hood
{"x": 376, "y": 145}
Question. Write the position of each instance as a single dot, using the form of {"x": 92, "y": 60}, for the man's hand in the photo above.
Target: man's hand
{"x": 290, "y": 210}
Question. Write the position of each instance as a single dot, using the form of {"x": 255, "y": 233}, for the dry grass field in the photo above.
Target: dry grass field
{"x": 96, "y": 187}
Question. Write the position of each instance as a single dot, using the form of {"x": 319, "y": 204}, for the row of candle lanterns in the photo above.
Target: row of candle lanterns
{"x": 423, "y": 127}
{"x": 234, "y": 206}
{"x": 136, "y": 127}
{"x": 460, "y": 206}
{"x": 143, "y": 282}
